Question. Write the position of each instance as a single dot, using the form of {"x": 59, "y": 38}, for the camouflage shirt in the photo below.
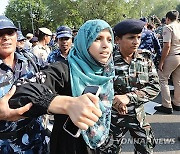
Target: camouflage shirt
{"x": 139, "y": 79}
{"x": 29, "y": 138}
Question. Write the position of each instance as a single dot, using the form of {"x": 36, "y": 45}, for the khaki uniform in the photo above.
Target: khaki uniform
{"x": 171, "y": 33}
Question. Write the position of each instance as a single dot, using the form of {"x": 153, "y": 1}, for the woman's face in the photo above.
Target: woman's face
{"x": 101, "y": 48}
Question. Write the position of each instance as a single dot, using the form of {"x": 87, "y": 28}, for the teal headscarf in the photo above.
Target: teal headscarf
{"x": 85, "y": 70}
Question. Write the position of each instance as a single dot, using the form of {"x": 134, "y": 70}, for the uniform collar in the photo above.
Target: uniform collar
{"x": 19, "y": 55}
{"x": 42, "y": 47}
{"x": 58, "y": 53}
{"x": 136, "y": 55}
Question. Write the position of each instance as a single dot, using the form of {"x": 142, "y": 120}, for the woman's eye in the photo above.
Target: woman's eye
{"x": 109, "y": 40}
{"x": 98, "y": 38}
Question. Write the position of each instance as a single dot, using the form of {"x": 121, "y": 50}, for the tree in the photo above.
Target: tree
{"x": 178, "y": 8}
{"x": 54, "y": 13}
{"x": 75, "y": 12}
{"x": 111, "y": 10}
{"x": 161, "y": 7}
{"x": 30, "y": 14}
{"x": 64, "y": 12}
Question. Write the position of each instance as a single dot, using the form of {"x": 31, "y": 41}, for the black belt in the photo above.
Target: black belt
{"x": 17, "y": 133}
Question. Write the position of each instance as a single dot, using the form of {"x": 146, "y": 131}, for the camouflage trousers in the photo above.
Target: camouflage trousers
{"x": 142, "y": 136}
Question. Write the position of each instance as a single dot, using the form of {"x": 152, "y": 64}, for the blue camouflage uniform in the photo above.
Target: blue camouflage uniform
{"x": 53, "y": 45}
{"x": 61, "y": 32}
{"x": 140, "y": 80}
{"x": 150, "y": 42}
{"x": 25, "y": 136}
{"x": 56, "y": 56}
{"x": 159, "y": 30}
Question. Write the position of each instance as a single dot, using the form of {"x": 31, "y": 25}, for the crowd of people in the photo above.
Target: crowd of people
{"x": 46, "y": 74}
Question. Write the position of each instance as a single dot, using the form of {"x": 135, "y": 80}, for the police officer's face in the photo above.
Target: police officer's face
{"x": 129, "y": 43}
{"x": 101, "y": 48}
{"x": 20, "y": 44}
{"x": 65, "y": 44}
{"x": 168, "y": 21}
{"x": 8, "y": 39}
{"x": 47, "y": 39}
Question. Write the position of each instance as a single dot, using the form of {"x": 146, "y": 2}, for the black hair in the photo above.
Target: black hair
{"x": 163, "y": 20}
{"x": 41, "y": 36}
{"x": 150, "y": 26}
{"x": 75, "y": 30}
{"x": 172, "y": 15}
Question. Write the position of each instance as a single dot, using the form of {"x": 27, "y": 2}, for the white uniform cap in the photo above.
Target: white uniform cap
{"x": 45, "y": 31}
{"x": 29, "y": 35}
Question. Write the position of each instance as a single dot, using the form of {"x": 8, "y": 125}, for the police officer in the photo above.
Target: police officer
{"x": 136, "y": 81}
{"x": 170, "y": 64}
{"x": 53, "y": 42}
{"x": 64, "y": 36}
{"x": 159, "y": 31}
{"x": 20, "y": 40}
{"x": 25, "y": 135}
{"x": 150, "y": 42}
{"x": 41, "y": 51}
{"x": 28, "y": 45}
{"x": 34, "y": 41}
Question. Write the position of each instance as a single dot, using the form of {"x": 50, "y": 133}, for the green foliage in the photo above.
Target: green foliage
{"x": 161, "y": 7}
{"x": 64, "y": 12}
{"x": 54, "y": 13}
{"x": 24, "y": 11}
{"x": 178, "y": 7}
{"x": 102, "y": 9}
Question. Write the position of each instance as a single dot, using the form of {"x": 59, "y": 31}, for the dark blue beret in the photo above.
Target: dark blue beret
{"x": 134, "y": 26}
{"x": 34, "y": 39}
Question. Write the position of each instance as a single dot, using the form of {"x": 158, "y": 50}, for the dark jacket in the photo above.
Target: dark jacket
{"x": 54, "y": 80}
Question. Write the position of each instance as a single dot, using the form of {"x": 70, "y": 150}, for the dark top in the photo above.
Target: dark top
{"x": 54, "y": 80}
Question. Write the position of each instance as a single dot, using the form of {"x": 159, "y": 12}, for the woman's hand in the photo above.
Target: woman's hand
{"x": 84, "y": 110}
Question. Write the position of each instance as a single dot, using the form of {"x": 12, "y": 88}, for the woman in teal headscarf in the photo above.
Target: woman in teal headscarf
{"x": 89, "y": 68}
{"x": 89, "y": 63}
